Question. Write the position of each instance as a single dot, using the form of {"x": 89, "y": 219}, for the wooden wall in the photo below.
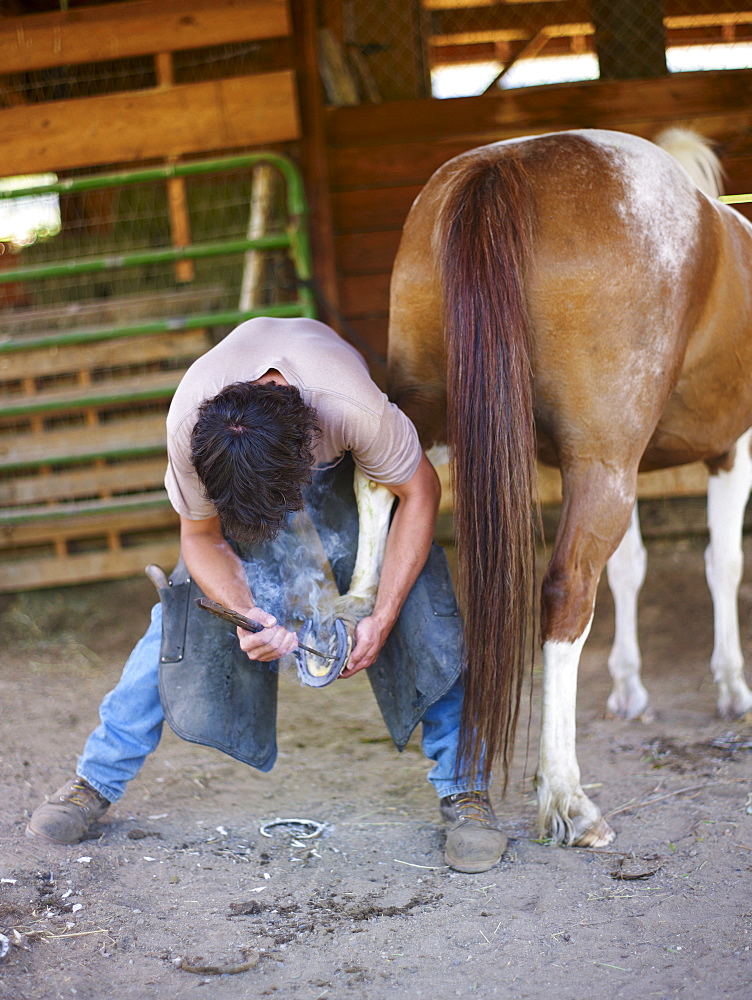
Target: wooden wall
{"x": 168, "y": 120}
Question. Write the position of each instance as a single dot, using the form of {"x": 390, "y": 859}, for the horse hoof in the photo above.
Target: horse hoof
{"x": 730, "y": 713}
{"x": 628, "y": 705}
{"x": 599, "y": 834}
{"x": 352, "y": 608}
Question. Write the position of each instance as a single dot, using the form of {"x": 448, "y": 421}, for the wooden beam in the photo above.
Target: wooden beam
{"x": 506, "y": 22}
{"x": 314, "y": 163}
{"x": 591, "y": 104}
{"x": 679, "y": 31}
{"x": 177, "y": 198}
{"x": 569, "y": 10}
{"x": 87, "y": 567}
{"x": 399, "y": 164}
{"x": 692, "y": 8}
{"x": 141, "y": 475}
{"x": 472, "y": 4}
{"x": 559, "y": 18}
{"x": 150, "y": 124}
{"x": 185, "y": 345}
{"x": 120, "y": 30}
{"x": 139, "y": 435}
{"x": 102, "y": 393}
{"x": 81, "y": 520}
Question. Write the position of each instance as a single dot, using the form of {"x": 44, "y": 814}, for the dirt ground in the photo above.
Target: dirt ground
{"x": 178, "y": 875}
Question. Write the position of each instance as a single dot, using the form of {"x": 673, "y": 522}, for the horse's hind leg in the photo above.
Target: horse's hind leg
{"x": 595, "y": 515}
{"x": 728, "y": 492}
{"x": 626, "y": 574}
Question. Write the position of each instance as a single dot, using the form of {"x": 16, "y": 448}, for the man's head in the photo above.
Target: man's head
{"x": 252, "y": 447}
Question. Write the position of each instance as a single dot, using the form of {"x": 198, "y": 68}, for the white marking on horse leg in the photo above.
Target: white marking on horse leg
{"x": 626, "y": 574}
{"x": 374, "y": 507}
{"x": 439, "y": 454}
{"x": 564, "y": 811}
{"x": 728, "y": 493}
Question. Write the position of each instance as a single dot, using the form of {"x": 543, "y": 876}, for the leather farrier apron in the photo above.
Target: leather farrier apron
{"x": 214, "y": 695}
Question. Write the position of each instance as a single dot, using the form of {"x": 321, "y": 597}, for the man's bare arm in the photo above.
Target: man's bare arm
{"x": 220, "y": 574}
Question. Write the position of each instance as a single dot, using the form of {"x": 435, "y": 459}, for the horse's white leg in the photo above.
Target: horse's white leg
{"x": 626, "y": 574}
{"x": 564, "y": 811}
{"x": 596, "y": 508}
{"x": 374, "y": 507}
{"x": 438, "y": 454}
{"x": 728, "y": 492}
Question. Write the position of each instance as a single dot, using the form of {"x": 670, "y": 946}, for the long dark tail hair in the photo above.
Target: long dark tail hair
{"x": 487, "y": 236}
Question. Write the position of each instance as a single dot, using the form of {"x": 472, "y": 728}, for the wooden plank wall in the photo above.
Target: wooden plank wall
{"x": 161, "y": 122}
{"x": 381, "y": 155}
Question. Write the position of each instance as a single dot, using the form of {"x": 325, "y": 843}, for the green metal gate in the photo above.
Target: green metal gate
{"x": 85, "y": 385}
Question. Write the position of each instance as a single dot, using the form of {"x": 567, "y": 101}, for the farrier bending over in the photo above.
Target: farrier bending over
{"x": 220, "y": 573}
{"x": 274, "y": 407}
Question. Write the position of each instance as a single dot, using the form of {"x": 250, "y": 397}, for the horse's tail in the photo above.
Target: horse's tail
{"x": 488, "y": 232}
{"x": 696, "y": 155}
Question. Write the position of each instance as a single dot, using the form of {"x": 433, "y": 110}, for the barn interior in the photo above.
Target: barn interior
{"x": 171, "y": 167}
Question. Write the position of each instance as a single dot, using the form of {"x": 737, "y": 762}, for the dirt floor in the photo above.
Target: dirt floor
{"x": 178, "y": 891}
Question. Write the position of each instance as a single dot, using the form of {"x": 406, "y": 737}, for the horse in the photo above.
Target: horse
{"x": 571, "y": 298}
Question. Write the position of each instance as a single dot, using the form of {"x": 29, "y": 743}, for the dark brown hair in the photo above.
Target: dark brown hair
{"x": 488, "y": 229}
{"x": 252, "y": 447}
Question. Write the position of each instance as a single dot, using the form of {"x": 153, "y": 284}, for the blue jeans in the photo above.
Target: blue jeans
{"x": 132, "y": 717}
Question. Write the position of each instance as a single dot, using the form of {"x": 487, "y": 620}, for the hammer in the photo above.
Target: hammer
{"x": 246, "y": 623}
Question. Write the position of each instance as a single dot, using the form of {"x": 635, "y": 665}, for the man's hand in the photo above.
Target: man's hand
{"x": 407, "y": 547}
{"x": 370, "y": 635}
{"x": 220, "y": 574}
{"x": 273, "y": 642}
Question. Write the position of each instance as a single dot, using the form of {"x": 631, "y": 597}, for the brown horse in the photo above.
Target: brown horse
{"x": 573, "y": 296}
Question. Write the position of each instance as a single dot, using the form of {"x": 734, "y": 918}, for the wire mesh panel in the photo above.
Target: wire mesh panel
{"x": 95, "y": 344}
{"x": 394, "y": 48}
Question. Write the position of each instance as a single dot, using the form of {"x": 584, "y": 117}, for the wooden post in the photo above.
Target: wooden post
{"x": 262, "y": 204}
{"x": 314, "y": 162}
{"x": 177, "y": 201}
{"x": 630, "y": 38}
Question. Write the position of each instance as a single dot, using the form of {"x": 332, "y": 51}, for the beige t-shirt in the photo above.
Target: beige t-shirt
{"x": 353, "y": 413}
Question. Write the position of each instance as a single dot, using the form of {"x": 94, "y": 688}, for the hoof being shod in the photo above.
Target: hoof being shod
{"x": 334, "y": 637}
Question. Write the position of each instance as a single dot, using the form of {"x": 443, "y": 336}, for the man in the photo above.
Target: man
{"x": 274, "y": 406}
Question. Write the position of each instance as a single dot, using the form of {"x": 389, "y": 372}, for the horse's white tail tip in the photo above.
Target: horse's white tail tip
{"x": 696, "y": 155}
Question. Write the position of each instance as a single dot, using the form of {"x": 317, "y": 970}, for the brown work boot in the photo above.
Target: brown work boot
{"x": 67, "y": 814}
{"x": 474, "y": 841}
